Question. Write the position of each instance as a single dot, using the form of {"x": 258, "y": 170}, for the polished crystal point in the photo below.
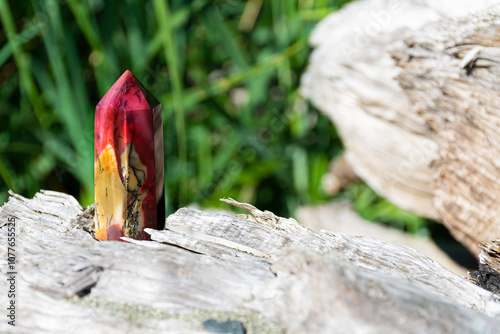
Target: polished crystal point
{"x": 128, "y": 162}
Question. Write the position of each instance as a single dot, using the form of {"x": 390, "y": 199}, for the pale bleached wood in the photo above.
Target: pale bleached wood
{"x": 340, "y": 174}
{"x": 56, "y": 259}
{"x": 416, "y": 104}
{"x": 351, "y": 77}
{"x": 268, "y": 272}
{"x": 340, "y": 216}
{"x": 451, "y": 71}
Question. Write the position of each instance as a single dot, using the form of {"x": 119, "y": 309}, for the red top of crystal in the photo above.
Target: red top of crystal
{"x": 127, "y": 102}
{"x": 129, "y": 150}
{"x": 128, "y": 93}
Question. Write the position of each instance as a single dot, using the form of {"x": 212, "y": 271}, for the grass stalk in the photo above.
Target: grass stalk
{"x": 22, "y": 61}
{"x": 164, "y": 17}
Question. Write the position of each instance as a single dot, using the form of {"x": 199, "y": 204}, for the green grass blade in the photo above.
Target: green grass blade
{"x": 22, "y": 61}
{"x": 6, "y": 175}
{"x": 23, "y": 37}
{"x": 204, "y": 156}
{"x": 219, "y": 86}
{"x": 63, "y": 104}
{"x": 227, "y": 38}
{"x": 164, "y": 19}
{"x": 135, "y": 41}
{"x": 105, "y": 69}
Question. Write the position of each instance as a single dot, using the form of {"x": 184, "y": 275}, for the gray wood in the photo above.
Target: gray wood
{"x": 267, "y": 272}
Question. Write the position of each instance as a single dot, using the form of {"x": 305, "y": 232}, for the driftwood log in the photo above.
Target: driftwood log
{"x": 207, "y": 272}
{"x": 340, "y": 216}
{"x": 417, "y": 106}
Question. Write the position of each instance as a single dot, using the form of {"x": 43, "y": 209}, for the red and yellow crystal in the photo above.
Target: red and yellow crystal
{"x": 128, "y": 162}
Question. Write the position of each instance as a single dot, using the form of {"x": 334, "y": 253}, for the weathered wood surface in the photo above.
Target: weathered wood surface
{"x": 267, "y": 273}
{"x": 488, "y": 275}
{"x": 340, "y": 216}
{"x": 416, "y": 105}
{"x": 451, "y": 74}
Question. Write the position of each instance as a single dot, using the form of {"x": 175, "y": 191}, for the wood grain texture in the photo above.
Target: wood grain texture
{"x": 352, "y": 79}
{"x": 416, "y": 101}
{"x": 269, "y": 273}
{"x": 340, "y": 216}
{"x": 450, "y": 72}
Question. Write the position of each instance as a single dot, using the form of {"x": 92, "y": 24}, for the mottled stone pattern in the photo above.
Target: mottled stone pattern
{"x": 128, "y": 162}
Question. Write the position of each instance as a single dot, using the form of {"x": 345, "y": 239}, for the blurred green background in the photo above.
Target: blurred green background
{"x": 226, "y": 73}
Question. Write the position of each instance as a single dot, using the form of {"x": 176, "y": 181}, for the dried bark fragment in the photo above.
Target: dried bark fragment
{"x": 488, "y": 274}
